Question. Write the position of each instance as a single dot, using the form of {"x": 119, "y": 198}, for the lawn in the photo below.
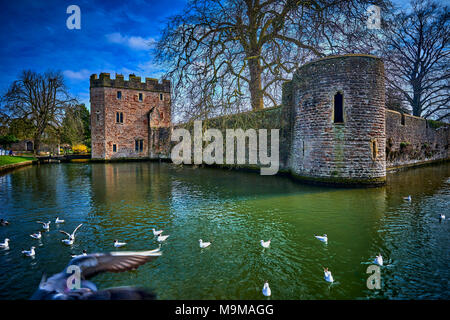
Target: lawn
{"x": 5, "y": 160}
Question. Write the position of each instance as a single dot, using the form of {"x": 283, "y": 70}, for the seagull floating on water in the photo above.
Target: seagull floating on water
{"x": 441, "y": 216}
{"x": 58, "y": 220}
{"x": 328, "y": 276}
{"x": 71, "y": 239}
{"x": 266, "y": 244}
{"x": 266, "y": 289}
{"x": 118, "y": 244}
{"x": 378, "y": 260}
{"x": 157, "y": 233}
{"x": 323, "y": 238}
{"x": 204, "y": 244}
{"x": 5, "y": 244}
{"x": 3, "y": 222}
{"x": 80, "y": 255}
{"x": 36, "y": 235}
{"x": 57, "y": 286}
{"x": 408, "y": 198}
{"x": 162, "y": 238}
{"x": 45, "y": 225}
{"x": 29, "y": 253}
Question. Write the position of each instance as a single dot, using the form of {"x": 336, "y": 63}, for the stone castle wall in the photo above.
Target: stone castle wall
{"x": 351, "y": 150}
{"x": 413, "y": 140}
{"x": 117, "y": 122}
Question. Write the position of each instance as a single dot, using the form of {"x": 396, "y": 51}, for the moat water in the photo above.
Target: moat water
{"x": 233, "y": 210}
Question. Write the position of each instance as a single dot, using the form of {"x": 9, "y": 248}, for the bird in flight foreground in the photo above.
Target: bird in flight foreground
{"x": 71, "y": 236}
{"x": 57, "y": 286}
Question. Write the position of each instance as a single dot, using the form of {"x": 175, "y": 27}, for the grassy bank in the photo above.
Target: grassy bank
{"x": 7, "y": 160}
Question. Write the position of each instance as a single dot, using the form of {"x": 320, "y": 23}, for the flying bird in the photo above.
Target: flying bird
{"x": 71, "y": 236}
{"x": 45, "y": 225}
{"x": 57, "y": 286}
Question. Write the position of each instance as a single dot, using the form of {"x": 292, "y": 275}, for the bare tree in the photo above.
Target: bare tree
{"x": 223, "y": 55}
{"x": 417, "y": 59}
{"x": 40, "y": 99}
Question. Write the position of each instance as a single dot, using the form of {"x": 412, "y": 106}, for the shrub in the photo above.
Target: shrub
{"x": 79, "y": 148}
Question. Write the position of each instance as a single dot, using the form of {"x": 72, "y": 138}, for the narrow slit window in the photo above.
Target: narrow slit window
{"x": 161, "y": 97}
{"x": 136, "y": 145}
{"x": 114, "y": 148}
{"x": 403, "y": 119}
{"x": 140, "y": 97}
{"x": 374, "y": 149}
{"x": 338, "y": 108}
{"x": 141, "y": 145}
{"x": 119, "y": 94}
{"x": 121, "y": 117}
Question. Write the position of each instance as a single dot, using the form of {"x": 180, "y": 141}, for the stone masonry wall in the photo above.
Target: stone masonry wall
{"x": 138, "y": 120}
{"x": 349, "y": 152}
{"x": 416, "y": 141}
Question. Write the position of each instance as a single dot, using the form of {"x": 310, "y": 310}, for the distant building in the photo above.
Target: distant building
{"x": 129, "y": 119}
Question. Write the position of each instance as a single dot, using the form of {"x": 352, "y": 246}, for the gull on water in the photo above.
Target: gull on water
{"x": 58, "y": 220}
{"x": 118, "y": 244}
{"x": 266, "y": 244}
{"x": 3, "y": 222}
{"x": 408, "y": 198}
{"x": 441, "y": 216}
{"x": 71, "y": 239}
{"x": 323, "y": 238}
{"x": 59, "y": 286}
{"x": 162, "y": 238}
{"x": 36, "y": 235}
{"x": 266, "y": 289}
{"x": 328, "y": 276}
{"x": 29, "y": 253}
{"x": 5, "y": 244}
{"x": 45, "y": 225}
{"x": 378, "y": 260}
{"x": 204, "y": 244}
{"x": 84, "y": 253}
{"x": 157, "y": 233}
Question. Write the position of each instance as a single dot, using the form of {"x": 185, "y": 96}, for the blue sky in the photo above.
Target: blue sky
{"x": 114, "y": 37}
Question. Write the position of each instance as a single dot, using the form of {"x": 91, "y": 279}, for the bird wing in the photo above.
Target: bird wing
{"x": 40, "y": 222}
{"x": 121, "y": 293}
{"x": 73, "y": 233}
{"x": 66, "y": 233}
{"x": 93, "y": 264}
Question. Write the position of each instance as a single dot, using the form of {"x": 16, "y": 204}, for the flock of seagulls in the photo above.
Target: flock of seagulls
{"x": 92, "y": 264}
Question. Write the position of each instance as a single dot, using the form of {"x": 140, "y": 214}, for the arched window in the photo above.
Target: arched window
{"x": 338, "y": 108}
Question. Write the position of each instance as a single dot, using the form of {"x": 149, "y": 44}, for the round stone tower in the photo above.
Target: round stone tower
{"x": 338, "y": 128}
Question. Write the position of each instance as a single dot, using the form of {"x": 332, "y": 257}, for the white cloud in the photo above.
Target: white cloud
{"x": 77, "y": 75}
{"x": 136, "y": 43}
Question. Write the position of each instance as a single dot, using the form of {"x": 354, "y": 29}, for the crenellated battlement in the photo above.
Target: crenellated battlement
{"x": 133, "y": 82}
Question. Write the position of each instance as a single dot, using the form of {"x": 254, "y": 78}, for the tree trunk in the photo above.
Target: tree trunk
{"x": 256, "y": 94}
{"x": 36, "y": 144}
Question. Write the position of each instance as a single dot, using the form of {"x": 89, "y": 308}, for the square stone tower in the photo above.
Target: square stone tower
{"x": 129, "y": 119}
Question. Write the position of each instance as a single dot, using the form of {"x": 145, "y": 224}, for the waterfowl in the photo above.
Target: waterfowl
{"x": 118, "y": 244}
{"x": 204, "y": 244}
{"x": 84, "y": 253}
{"x": 71, "y": 239}
{"x": 441, "y": 216}
{"x": 29, "y": 253}
{"x": 408, "y": 198}
{"x": 3, "y": 222}
{"x": 58, "y": 220}
{"x": 57, "y": 286}
{"x": 328, "y": 276}
{"x": 266, "y": 289}
{"x": 5, "y": 244}
{"x": 162, "y": 238}
{"x": 36, "y": 235}
{"x": 378, "y": 260}
{"x": 266, "y": 244}
{"x": 323, "y": 238}
{"x": 157, "y": 233}
{"x": 45, "y": 225}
